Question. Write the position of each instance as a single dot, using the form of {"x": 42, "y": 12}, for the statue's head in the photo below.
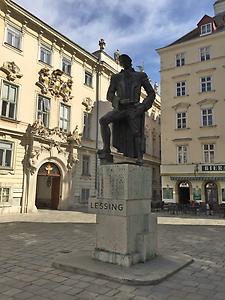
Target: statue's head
{"x": 125, "y": 61}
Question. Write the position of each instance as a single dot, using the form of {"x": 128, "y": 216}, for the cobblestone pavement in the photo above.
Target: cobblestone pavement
{"x": 29, "y": 244}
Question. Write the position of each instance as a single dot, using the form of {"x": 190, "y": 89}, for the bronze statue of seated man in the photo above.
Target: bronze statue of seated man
{"x": 128, "y": 114}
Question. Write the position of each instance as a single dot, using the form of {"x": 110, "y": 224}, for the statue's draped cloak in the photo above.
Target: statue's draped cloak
{"x": 123, "y": 140}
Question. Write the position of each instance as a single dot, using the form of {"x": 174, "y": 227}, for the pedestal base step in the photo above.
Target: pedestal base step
{"x": 148, "y": 273}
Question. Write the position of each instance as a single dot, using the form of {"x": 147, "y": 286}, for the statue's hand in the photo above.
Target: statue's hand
{"x": 140, "y": 108}
{"x": 137, "y": 111}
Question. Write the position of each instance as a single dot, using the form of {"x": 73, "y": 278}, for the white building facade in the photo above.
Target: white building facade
{"x": 193, "y": 135}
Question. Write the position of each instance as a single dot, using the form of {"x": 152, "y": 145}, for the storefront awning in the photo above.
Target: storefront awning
{"x": 198, "y": 178}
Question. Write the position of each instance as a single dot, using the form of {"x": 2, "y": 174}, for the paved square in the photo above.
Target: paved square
{"x": 28, "y": 245}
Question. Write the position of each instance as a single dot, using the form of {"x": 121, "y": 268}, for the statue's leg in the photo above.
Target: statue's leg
{"x": 105, "y": 129}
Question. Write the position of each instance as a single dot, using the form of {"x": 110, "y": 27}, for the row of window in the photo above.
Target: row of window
{"x": 204, "y": 54}
{"x": 205, "y": 86}
{"x": 8, "y": 109}
{"x": 206, "y": 118}
{"x": 208, "y": 152}
{"x": 14, "y": 38}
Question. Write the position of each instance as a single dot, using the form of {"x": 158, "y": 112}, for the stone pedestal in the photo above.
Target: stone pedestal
{"x": 126, "y": 232}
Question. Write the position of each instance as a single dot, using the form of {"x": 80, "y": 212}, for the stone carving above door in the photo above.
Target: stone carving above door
{"x": 52, "y": 82}
{"x": 40, "y": 141}
{"x": 11, "y": 70}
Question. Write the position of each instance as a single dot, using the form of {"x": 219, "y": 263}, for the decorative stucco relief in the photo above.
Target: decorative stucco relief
{"x": 39, "y": 140}
{"x": 52, "y": 83}
{"x": 11, "y": 70}
{"x": 88, "y": 104}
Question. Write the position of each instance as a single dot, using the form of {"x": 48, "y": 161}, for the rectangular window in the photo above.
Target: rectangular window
{"x": 13, "y": 37}
{"x": 45, "y": 54}
{"x": 87, "y": 125}
{"x": 180, "y": 60}
{"x": 206, "y": 84}
{"x": 9, "y": 100}
{"x": 86, "y": 165}
{"x": 64, "y": 119}
{"x": 85, "y": 194}
{"x": 182, "y": 154}
{"x": 181, "y": 120}
{"x": 66, "y": 66}
{"x": 6, "y": 154}
{"x": 181, "y": 88}
{"x": 4, "y": 195}
{"x": 205, "y": 53}
{"x": 88, "y": 79}
{"x": 206, "y": 28}
{"x": 207, "y": 117}
{"x": 209, "y": 153}
{"x": 43, "y": 110}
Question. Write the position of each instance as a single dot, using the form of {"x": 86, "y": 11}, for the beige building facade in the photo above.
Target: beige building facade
{"x": 52, "y": 93}
{"x": 193, "y": 127}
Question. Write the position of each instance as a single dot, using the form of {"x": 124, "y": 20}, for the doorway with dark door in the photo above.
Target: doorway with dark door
{"x": 184, "y": 193}
{"x": 48, "y": 187}
{"x": 211, "y": 194}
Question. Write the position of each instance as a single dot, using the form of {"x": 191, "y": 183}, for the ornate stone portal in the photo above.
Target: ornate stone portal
{"x": 43, "y": 145}
{"x": 39, "y": 139}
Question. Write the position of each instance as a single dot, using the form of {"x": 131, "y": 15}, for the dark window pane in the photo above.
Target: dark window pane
{"x": 8, "y": 158}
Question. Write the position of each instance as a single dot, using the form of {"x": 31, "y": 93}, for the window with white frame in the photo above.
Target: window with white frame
{"x": 85, "y": 194}
{"x": 206, "y": 29}
{"x": 6, "y": 154}
{"x": 207, "y": 116}
{"x": 181, "y": 88}
{"x": 180, "y": 59}
{"x": 182, "y": 154}
{"x": 64, "y": 118}
{"x": 181, "y": 120}
{"x": 45, "y": 54}
{"x": 205, "y": 53}
{"x": 87, "y": 125}
{"x": 4, "y": 195}
{"x": 13, "y": 37}
{"x": 9, "y": 97}
{"x": 206, "y": 84}
{"x": 86, "y": 165}
{"x": 66, "y": 65}
{"x": 88, "y": 79}
{"x": 43, "y": 110}
{"x": 208, "y": 153}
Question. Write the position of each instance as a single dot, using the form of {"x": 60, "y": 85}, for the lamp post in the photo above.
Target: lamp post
{"x": 98, "y": 86}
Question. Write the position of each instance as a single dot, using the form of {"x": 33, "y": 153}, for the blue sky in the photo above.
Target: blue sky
{"x": 135, "y": 27}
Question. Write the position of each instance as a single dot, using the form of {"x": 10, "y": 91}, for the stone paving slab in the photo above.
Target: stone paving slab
{"x": 148, "y": 273}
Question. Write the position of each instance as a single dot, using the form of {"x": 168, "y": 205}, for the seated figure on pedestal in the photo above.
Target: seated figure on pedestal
{"x": 128, "y": 114}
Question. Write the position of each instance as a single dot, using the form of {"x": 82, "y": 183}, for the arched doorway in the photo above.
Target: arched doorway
{"x": 184, "y": 193}
{"x": 211, "y": 193}
{"x": 48, "y": 186}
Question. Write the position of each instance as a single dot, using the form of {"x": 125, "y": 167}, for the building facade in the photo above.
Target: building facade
{"x": 193, "y": 135}
{"x": 52, "y": 93}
